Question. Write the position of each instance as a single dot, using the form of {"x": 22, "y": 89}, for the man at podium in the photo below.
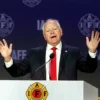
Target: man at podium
{"x": 55, "y": 60}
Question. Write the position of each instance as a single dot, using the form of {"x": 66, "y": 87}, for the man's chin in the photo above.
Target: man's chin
{"x": 54, "y": 43}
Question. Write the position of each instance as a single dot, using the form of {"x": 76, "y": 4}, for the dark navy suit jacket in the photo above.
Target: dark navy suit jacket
{"x": 70, "y": 61}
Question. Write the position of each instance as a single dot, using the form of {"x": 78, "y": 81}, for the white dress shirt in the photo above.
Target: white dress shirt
{"x": 58, "y": 53}
{"x": 48, "y": 52}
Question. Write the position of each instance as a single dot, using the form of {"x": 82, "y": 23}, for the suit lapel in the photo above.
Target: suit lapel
{"x": 64, "y": 51}
{"x": 42, "y": 59}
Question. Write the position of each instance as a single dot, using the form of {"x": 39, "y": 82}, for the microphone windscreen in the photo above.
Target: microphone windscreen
{"x": 52, "y": 55}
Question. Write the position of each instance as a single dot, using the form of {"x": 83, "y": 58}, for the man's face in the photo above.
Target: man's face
{"x": 52, "y": 33}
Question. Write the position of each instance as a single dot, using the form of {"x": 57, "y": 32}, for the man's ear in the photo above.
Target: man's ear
{"x": 61, "y": 31}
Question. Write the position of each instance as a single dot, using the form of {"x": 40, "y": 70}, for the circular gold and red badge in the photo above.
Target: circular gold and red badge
{"x": 37, "y": 91}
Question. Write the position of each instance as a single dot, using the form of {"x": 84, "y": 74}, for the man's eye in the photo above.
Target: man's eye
{"x": 48, "y": 31}
{"x": 55, "y": 29}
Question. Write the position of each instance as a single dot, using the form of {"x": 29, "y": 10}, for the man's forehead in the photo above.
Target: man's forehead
{"x": 51, "y": 23}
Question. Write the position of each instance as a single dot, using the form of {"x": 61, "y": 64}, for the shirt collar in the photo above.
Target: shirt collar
{"x": 59, "y": 46}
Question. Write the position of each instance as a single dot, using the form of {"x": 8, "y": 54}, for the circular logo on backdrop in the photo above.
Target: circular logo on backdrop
{"x": 37, "y": 91}
{"x": 88, "y": 23}
{"x": 6, "y": 25}
{"x": 31, "y": 3}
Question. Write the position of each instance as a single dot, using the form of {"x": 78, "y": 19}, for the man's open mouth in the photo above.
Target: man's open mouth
{"x": 53, "y": 37}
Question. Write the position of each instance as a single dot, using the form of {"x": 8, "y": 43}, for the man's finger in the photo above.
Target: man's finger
{"x": 10, "y": 46}
{"x": 1, "y": 43}
{"x": 5, "y": 43}
{"x": 92, "y": 35}
{"x": 87, "y": 39}
{"x": 97, "y": 35}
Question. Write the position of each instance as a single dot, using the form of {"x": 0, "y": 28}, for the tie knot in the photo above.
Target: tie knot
{"x": 53, "y": 48}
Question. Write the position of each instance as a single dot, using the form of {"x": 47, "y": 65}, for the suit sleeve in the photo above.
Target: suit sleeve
{"x": 19, "y": 69}
{"x": 86, "y": 63}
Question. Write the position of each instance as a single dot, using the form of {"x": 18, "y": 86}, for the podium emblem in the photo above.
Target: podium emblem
{"x": 37, "y": 91}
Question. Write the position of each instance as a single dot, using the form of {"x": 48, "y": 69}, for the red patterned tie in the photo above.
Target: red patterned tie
{"x": 53, "y": 75}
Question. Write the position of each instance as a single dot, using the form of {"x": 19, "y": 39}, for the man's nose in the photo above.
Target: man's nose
{"x": 52, "y": 32}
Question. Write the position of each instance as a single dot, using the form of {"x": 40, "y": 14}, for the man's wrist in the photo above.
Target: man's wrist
{"x": 7, "y": 59}
{"x": 9, "y": 64}
{"x": 92, "y": 51}
{"x": 92, "y": 55}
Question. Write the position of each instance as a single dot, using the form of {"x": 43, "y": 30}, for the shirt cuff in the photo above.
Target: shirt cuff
{"x": 9, "y": 64}
{"x": 93, "y": 55}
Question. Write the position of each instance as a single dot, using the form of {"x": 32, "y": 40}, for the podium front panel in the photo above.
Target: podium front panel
{"x": 54, "y": 90}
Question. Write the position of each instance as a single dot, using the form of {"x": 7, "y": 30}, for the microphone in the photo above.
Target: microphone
{"x": 51, "y": 57}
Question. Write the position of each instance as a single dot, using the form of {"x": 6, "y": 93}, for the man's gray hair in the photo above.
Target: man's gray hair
{"x": 50, "y": 20}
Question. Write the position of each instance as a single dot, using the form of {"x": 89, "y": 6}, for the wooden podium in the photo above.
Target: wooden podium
{"x": 47, "y": 90}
